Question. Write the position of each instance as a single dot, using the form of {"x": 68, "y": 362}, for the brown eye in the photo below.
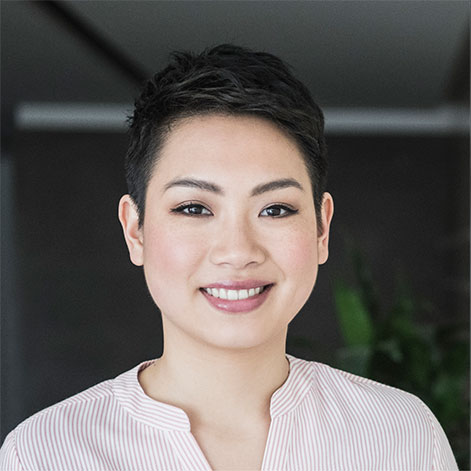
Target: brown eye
{"x": 192, "y": 209}
{"x": 279, "y": 211}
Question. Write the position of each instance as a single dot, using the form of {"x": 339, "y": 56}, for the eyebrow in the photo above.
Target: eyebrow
{"x": 212, "y": 187}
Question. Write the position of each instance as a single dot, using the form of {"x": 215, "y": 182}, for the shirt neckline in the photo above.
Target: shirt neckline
{"x": 130, "y": 395}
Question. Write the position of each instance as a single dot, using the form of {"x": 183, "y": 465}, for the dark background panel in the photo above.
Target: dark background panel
{"x": 84, "y": 312}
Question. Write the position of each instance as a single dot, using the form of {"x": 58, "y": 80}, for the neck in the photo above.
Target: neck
{"x": 215, "y": 386}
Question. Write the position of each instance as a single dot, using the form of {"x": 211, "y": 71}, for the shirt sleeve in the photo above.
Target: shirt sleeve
{"x": 9, "y": 460}
{"x": 443, "y": 458}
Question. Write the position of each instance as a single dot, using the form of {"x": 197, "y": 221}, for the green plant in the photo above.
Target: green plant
{"x": 398, "y": 347}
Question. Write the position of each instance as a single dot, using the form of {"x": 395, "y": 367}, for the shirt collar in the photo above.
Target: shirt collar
{"x": 134, "y": 400}
{"x": 129, "y": 393}
{"x": 292, "y": 392}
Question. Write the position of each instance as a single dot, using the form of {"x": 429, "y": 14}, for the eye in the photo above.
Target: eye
{"x": 279, "y": 211}
{"x": 192, "y": 209}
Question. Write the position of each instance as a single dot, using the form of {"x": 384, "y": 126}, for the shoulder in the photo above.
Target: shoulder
{"x": 345, "y": 383}
{"x": 371, "y": 409}
{"x": 367, "y": 397}
{"x": 50, "y": 427}
{"x": 66, "y": 431}
{"x": 87, "y": 400}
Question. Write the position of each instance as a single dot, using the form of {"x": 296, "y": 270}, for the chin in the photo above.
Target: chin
{"x": 235, "y": 340}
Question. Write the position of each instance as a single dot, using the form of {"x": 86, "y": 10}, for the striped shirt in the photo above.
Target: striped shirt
{"x": 321, "y": 419}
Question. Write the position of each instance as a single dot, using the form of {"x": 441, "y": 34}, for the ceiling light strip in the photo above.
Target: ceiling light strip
{"x": 88, "y": 117}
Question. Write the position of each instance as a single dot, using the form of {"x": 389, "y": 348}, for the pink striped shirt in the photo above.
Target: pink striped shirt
{"x": 321, "y": 419}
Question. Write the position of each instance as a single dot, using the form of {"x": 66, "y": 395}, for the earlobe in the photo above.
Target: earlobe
{"x": 323, "y": 239}
{"x": 129, "y": 219}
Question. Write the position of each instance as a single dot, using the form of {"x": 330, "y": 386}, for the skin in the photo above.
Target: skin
{"x": 210, "y": 356}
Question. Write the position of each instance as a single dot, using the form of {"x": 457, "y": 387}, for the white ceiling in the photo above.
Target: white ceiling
{"x": 350, "y": 53}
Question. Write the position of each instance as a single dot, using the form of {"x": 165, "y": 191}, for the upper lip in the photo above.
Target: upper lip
{"x": 247, "y": 284}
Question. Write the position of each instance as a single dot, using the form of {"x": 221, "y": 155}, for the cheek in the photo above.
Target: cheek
{"x": 299, "y": 263}
{"x": 299, "y": 253}
{"x": 301, "y": 268}
{"x": 170, "y": 257}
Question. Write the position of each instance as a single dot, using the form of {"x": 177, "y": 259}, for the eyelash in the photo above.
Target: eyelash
{"x": 180, "y": 210}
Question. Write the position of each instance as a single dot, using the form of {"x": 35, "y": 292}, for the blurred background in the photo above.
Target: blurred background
{"x": 392, "y": 303}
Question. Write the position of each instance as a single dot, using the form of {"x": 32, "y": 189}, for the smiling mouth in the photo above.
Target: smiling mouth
{"x": 235, "y": 294}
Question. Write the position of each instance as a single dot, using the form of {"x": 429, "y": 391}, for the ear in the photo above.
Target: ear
{"x": 323, "y": 239}
{"x": 128, "y": 216}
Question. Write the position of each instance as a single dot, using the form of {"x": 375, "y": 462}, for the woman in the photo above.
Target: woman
{"x": 228, "y": 215}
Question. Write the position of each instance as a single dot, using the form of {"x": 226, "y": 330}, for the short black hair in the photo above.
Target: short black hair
{"x": 229, "y": 80}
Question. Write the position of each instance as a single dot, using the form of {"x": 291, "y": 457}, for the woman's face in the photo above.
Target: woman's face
{"x": 209, "y": 220}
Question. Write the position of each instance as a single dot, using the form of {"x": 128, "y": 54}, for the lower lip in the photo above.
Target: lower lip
{"x": 240, "y": 305}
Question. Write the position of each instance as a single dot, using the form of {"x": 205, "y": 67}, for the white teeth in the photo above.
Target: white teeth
{"x": 232, "y": 294}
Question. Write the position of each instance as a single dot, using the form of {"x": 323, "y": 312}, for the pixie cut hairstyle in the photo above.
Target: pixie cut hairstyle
{"x": 226, "y": 80}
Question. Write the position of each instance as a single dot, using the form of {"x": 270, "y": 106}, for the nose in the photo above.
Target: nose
{"x": 237, "y": 244}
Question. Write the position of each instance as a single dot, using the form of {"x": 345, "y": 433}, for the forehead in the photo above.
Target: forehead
{"x": 229, "y": 148}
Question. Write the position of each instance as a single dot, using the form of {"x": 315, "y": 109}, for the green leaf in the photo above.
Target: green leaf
{"x": 391, "y": 349}
{"x": 355, "y": 359}
{"x": 354, "y": 319}
{"x": 447, "y": 392}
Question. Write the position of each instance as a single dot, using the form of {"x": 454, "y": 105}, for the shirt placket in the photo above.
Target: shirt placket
{"x": 188, "y": 451}
{"x": 278, "y": 444}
